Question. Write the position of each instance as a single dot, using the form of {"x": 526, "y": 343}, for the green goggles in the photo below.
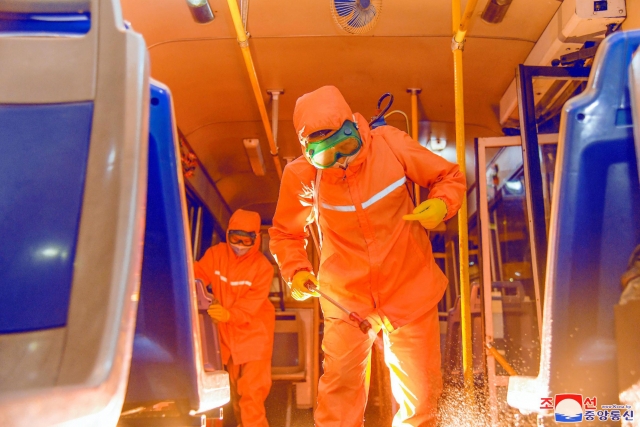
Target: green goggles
{"x": 325, "y": 152}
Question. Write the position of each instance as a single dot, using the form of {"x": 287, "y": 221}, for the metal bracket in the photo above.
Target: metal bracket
{"x": 457, "y": 45}
{"x": 275, "y": 104}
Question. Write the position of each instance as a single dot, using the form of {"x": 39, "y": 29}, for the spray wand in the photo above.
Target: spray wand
{"x": 363, "y": 324}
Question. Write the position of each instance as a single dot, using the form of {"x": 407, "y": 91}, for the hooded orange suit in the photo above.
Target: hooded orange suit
{"x": 241, "y": 284}
{"x": 372, "y": 261}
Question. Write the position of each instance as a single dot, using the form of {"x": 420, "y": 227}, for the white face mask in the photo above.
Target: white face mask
{"x": 347, "y": 161}
{"x": 239, "y": 250}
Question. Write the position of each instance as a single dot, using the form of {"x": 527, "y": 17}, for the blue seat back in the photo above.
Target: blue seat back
{"x": 163, "y": 366}
{"x": 595, "y": 226}
{"x": 42, "y": 171}
{"x": 45, "y": 23}
{"x": 73, "y": 128}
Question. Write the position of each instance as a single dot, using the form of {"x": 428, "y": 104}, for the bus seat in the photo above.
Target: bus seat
{"x": 452, "y": 362}
{"x": 594, "y": 226}
{"x": 627, "y": 312}
{"x": 167, "y": 363}
{"x": 210, "y": 342}
{"x": 288, "y": 362}
{"x": 634, "y": 90}
{"x": 519, "y": 339}
{"x": 73, "y": 186}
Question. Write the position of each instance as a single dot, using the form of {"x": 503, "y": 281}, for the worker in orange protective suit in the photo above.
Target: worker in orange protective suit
{"x": 376, "y": 256}
{"x": 240, "y": 277}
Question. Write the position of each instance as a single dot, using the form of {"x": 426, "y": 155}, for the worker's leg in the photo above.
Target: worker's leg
{"x": 234, "y": 375}
{"x": 342, "y": 394}
{"x": 253, "y": 388}
{"x": 412, "y": 354}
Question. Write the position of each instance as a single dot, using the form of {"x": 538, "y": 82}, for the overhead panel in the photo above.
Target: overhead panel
{"x": 208, "y": 80}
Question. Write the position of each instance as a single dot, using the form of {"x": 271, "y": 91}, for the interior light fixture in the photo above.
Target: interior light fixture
{"x": 201, "y": 11}
{"x": 495, "y": 11}
{"x": 515, "y": 186}
{"x": 437, "y": 144}
{"x": 252, "y": 147}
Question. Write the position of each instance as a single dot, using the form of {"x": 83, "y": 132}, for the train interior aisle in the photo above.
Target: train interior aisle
{"x": 134, "y": 131}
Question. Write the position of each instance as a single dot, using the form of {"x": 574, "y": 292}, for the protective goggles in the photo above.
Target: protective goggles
{"x": 324, "y": 152}
{"x": 243, "y": 238}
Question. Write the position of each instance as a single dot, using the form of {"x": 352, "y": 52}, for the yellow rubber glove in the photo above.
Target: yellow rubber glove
{"x": 430, "y": 213}
{"x": 218, "y": 313}
{"x": 299, "y": 291}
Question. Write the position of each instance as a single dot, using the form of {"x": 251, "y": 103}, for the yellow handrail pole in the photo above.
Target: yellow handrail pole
{"x": 414, "y": 131}
{"x": 460, "y": 27}
{"x": 459, "y": 32}
{"x": 465, "y": 292}
{"x": 251, "y": 70}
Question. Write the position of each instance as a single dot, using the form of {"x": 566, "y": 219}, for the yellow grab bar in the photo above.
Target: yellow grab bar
{"x": 251, "y": 70}
{"x": 459, "y": 32}
{"x": 501, "y": 360}
{"x": 460, "y": 27}
{"x": 414, "y": 131}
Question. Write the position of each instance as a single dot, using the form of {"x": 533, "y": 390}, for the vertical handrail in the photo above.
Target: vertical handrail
{"x": 414, "y": 132}
{"x": 251, "y": 70}
{"x": 196, "y": 233}
{"x": 275, "y": 111}
{"x": 459, "y": 31}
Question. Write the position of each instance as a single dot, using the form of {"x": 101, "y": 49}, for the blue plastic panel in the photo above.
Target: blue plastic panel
{"x": 45, "y": 23}
{"x": 163, "y": 363}
{"x": 42, "y": 173}
{"x": 598, "y": 226}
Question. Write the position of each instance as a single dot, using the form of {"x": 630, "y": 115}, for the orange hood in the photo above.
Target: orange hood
{"x": 326, "y": 108}
{"x": 246, "y": 221}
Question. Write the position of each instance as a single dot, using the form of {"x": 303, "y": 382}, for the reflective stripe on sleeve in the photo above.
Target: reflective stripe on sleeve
{"x": 236, "y": 283}
{"x": 217, "y": 273}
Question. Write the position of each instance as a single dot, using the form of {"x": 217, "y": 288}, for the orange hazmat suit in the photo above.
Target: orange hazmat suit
{"x": 241, "y": 284}
{"x": 372, "y": 260}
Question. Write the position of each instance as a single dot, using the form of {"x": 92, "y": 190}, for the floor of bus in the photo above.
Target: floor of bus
{"x": 276, "y": 410}
{"x": 379, "y": 409}
{"x": 378, "y": 412}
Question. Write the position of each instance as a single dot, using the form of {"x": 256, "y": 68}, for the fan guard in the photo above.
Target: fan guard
{"x": 356, "y": 16}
